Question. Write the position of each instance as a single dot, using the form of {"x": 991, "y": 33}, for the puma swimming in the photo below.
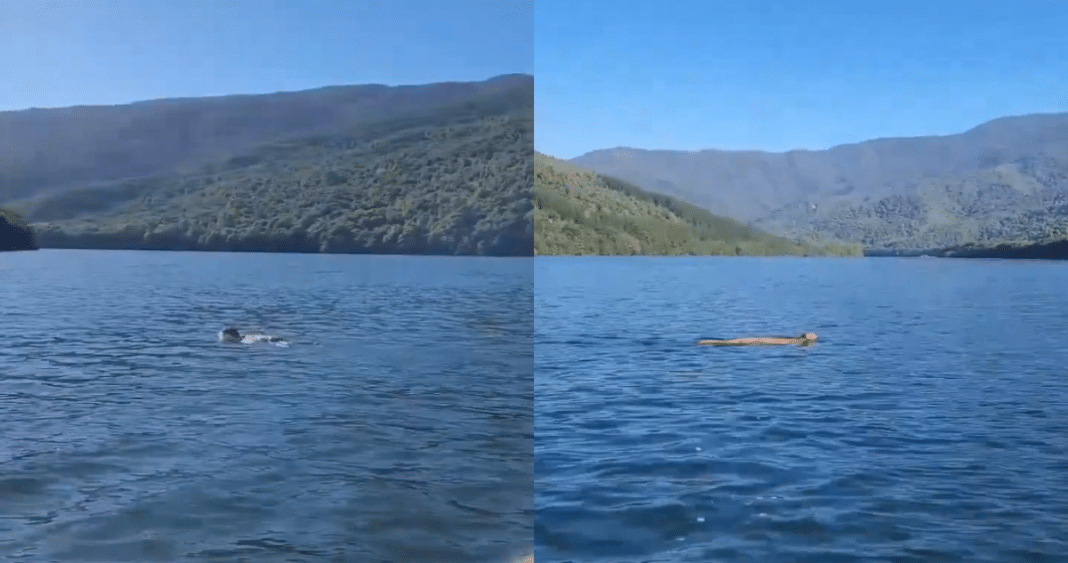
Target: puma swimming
{"x": 803, "y": 340}
{"x": 233, "y": 336}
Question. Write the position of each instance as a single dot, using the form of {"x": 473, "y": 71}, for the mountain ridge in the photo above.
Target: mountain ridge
{"x": 498, "y": 79}
{"x": 452, "y": 180}
{"x": 48, "y": 149}
{"x": 782, "y": 190}
{"x": 980, "y": 126}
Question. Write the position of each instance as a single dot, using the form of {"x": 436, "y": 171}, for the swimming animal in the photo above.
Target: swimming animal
{"x": 804, "y": 340}
{"x": 232, "y": 335}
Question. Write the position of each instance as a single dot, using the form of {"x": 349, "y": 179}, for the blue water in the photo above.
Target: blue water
{"x": 398, "y": 425}
{"x": 929, "y": 423}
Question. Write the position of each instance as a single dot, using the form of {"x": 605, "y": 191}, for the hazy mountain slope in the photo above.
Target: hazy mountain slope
{"x": 1022, "y": 201}
{"x": 42, "y": 149}
{"x": 454, "y": 181}
{"x": 581, "y": 212}
{"x": 782, "y": 190}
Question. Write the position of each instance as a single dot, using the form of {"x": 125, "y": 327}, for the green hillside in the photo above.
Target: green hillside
{"x": 454, "y": 180}
{"x": 578, "y": 212}
{"x": 44, "y": 149}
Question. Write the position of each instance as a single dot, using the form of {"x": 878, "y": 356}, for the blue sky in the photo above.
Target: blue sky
{"x": 56, "y": 53}
{"x": 759, "y": 74}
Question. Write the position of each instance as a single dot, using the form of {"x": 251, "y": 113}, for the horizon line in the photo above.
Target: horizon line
{"x": 795, "y": 150}
{"x": 272, "y": 93}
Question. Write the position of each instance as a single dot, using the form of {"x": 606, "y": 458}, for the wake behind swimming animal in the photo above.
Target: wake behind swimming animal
{"x": 232, "y": 335}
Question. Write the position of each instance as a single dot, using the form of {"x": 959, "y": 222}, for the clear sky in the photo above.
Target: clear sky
{"x": 57, "y": 53}
{"x": 761, "y": 74}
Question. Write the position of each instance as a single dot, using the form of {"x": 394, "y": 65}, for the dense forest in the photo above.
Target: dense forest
{"x": 455, "y": 180}
{"x": 15, "y": 233}
{"x": 579, "y": 212}
{"x": 59, "y": 148}
{"x": 1054, "y": 250}
{"x": 1019, "y": 203}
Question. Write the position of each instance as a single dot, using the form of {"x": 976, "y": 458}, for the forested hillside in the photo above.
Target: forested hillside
{"x": 44, "y": 150}
{"x": 1022, "y": 202}
{"x": 452, "y": 181}
{"x": 579, "y": 212}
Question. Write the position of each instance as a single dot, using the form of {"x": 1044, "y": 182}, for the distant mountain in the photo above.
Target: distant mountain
{"x": 580, "y": 212}
{"x": 45, "y": 149}
{"x": 851, "y": 192}
{"x": 455, "y": 179}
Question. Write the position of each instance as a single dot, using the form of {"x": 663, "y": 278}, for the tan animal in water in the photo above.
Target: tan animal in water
{"x": 804, "y": 340}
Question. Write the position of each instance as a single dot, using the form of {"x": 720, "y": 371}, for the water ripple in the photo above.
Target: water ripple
{"x": 397, "y": 427}
{"x": 905, "y": 435}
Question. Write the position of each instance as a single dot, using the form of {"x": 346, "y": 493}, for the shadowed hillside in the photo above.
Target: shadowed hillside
{"x": 580, "y": 212}
{"x": 1054, "y": 250}
{"x": 452, "y": 181}
{"x": 45, "y": 149}
{"x": 905, "y": 192}
{"x": 15, "y": 234}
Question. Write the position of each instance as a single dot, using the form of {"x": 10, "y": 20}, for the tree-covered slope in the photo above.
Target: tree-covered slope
{"x": 580, "y": 212}
{"x": 1053, "y": 250}
{"x": 452, "y": 181}
{"x": 1015, "y": 203}
{"x": 43, "y": 150}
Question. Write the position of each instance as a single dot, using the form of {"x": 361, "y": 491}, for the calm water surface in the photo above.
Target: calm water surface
{"x": 930, "y": 423}
{"x": 398, "y": 426}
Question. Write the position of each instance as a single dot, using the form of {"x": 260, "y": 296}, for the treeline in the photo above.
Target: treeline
{"x": 926, "y": 223}
{"x": 455, "y": 182}
{"x": 1055, "y": 250}
{"x": 15, "y": 233}
{"x": 579, "y": 212}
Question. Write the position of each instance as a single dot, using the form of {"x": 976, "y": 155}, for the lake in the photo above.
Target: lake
{"x": 929, "y": 423}
{"x": 397, "y": 426}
